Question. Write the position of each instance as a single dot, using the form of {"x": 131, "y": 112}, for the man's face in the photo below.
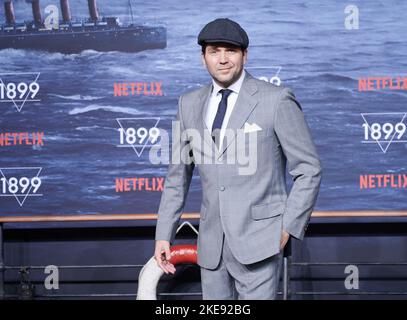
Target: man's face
{"x": 224, "y": 62}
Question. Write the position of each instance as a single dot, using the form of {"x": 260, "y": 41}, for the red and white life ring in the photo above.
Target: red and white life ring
{"x": 150, "y": 274}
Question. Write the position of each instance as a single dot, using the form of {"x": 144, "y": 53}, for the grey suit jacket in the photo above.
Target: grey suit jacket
{"x": 250, "y": 209}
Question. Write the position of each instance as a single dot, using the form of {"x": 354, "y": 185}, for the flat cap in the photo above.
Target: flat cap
{"x": 224, "y": 30}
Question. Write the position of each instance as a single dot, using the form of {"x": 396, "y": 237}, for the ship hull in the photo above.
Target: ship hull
{"x": 128, "y": 39}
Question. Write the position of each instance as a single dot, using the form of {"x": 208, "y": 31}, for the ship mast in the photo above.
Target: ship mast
{"x": 36, "y": 11}
{"x": 9, "y": 9}
{"x": 93, "y": 10}
{"x": 66, "y": 11}
{"x": 131, "y": 12}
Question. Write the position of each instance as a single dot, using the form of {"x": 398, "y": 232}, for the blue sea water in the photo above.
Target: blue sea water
{"x": 319, "y": 59}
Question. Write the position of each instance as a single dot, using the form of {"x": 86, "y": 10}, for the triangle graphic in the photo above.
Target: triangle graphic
{"x": 383, "y": 144}
{"x": 8, "y": 173}
{"x": 16, "y": 100}
{"x": 138, "y": 149}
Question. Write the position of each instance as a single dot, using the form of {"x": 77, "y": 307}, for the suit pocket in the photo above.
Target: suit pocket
{"x": 203, "y": 212}
{"x": 259, "y": 135}
{"x": 267, "y": 210}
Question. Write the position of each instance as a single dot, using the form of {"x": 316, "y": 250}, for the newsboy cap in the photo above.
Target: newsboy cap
{"x": 223, "y": 30}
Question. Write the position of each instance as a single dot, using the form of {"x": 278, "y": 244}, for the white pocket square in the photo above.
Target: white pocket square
{"x": 251, "y": 127}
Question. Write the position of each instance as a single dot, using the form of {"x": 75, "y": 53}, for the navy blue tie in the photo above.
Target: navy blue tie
{"x": 220, "y": 114}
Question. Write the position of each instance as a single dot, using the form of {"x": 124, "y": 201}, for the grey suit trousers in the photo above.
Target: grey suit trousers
{"x": 233, "y": 280}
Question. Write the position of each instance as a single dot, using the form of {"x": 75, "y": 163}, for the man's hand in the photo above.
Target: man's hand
{"x": 284, "y": 239}
{"x": 162, "y": 255}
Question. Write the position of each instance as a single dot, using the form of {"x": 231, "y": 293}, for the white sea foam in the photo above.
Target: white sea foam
{"x": 95, "y": 107}
{"x": 76, "y": 97}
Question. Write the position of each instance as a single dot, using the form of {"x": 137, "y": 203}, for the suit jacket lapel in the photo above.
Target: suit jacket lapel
{"x": 245, "y": 104}
{"x": 200, "y": 114}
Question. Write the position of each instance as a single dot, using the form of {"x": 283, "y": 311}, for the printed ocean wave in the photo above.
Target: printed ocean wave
{"x": 88, "y": 128}
{"x": 33, "y": 55}
{"x": 142, "y": 169}
{"x": 401, "y": 170}
{"x": 76, "y": 97}
{"x": 95, "y": 107}
{"x": 26, "y": 54}
{"x": 124, "y": 72}
{"x": 325, "y": 77}
{"x": 335, "y": 77}
{"x": 292, "y": 22}
{"x": 46, "y": 56}
{"x": 12, "y": 54}
{"x": 102, "y": 187}
{"x": 107, "y": 197}
{"x": 37, "y": 148}
{"x": 58, "y": 138}
{"x": 54, "y": 177}
{"x": 90, "y": 52}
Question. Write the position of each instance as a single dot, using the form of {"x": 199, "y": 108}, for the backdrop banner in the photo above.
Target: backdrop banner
{"x": 88, "y": 88}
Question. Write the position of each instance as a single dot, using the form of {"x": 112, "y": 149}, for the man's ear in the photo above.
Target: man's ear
{"x": 203, "y": 59}
{"x": 245, "y": 53}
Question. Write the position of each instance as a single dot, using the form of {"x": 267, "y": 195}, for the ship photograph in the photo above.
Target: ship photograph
{"x": 59, "y": 32}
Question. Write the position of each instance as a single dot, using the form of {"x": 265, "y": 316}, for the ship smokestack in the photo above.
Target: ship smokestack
{"x": 93, "y": 10}
{"x": 66, "y": 11}
{"x": 36, "y": 11}
{"x": 9, "y": 9}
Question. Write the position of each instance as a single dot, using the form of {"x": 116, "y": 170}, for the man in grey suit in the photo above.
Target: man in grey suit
{"x": 247, "y": 216}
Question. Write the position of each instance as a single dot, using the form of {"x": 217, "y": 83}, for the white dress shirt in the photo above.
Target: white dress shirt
{"x": 214, "y": 100}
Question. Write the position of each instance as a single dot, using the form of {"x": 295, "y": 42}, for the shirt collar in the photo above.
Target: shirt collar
{"x": 235, "y": 87}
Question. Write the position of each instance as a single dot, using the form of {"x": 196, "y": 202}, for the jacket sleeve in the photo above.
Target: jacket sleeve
{"x": 303, "y": 163}
{"x": 176, "y": 184}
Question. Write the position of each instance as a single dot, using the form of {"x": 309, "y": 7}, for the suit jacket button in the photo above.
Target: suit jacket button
{"x": 222, "y": 188}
